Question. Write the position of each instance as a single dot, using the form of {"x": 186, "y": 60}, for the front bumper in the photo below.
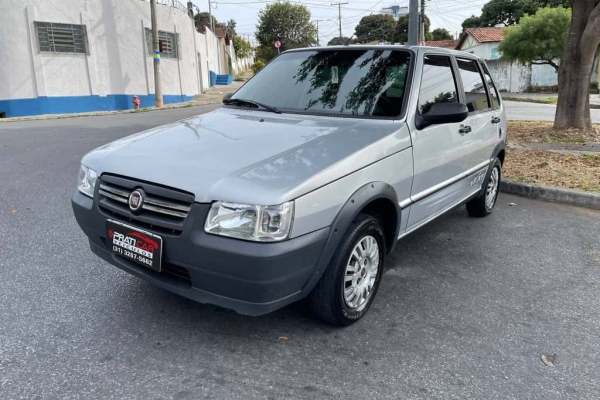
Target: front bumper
{"x": 250, "y": 278}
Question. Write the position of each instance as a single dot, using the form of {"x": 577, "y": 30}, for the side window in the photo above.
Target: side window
{"x": 491, "y": 88}
{"x": 437, "y": 84}
{"x": 475, "y": 89}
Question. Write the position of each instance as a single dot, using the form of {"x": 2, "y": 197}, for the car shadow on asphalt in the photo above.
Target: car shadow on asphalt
{"x": 184, "y": 314}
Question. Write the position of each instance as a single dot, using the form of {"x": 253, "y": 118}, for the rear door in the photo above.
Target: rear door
{"x": 440, "y": 153}
{"x": 482, "y": 127}
{"x": 498, "y": 116}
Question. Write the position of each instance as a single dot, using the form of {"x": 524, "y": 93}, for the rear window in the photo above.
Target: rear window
{"x": 491, "y": 88}
{"x": 369, "y": 83}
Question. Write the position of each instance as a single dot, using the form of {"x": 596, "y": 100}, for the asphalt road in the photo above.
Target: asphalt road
{"x": 522, "y": 111}
{"x": 465, "y": 311}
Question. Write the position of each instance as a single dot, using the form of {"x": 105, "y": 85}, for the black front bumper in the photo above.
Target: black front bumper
{"x": 250, "y": 278}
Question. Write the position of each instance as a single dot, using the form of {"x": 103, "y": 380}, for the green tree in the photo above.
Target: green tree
{"x": 231, "y": 24}
{"x": 289, "y": 23}
{"x": 552, "y": 3}
{"x": 243, "y": 49}
{"x": 472, "y": 22}
{"x": 583, "y": 38}
{"x": 338, "y": 41}
{"x": 441, "y": 34}
{"x": 203, "y": 18}
{"x": 401, "y": 31}
{"x": 375, "y": 27}
{"x": 538, "y": 39}
{"x": 506, "y": 12}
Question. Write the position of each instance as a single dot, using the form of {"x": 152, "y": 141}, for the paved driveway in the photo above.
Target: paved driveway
{"x": 465, "y": 310}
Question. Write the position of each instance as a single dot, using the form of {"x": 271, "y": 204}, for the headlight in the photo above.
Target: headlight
{"x": 87, "y": 181}
{"x": 257, "y": 223}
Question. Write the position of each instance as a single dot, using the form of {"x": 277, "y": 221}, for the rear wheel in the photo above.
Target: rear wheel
{"x": 483, "y": 204}
{"x": 350, "y": 282}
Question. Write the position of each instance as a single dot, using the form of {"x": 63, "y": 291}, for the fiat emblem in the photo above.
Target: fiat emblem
{"x": 135, "y": 200}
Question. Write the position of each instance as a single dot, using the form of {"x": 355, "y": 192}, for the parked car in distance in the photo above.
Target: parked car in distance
{"x": 302, "y": 182}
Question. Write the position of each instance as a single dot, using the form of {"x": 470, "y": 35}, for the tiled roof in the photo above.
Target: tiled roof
{"x": 485, "y": 35}
{"x": 445, "y": 44}
{"x": 220, "y": 32}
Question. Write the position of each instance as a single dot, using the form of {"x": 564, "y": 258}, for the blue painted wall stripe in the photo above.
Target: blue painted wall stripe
{"x": 78, "y": 104}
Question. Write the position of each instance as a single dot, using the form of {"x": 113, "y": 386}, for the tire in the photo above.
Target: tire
{"x": 483, "y": 205}
{"x": 332, "y": 300}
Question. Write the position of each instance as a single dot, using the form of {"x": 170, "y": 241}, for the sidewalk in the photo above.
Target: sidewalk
{"x": 213, "y": 95}
{"x": 545, "y": 97}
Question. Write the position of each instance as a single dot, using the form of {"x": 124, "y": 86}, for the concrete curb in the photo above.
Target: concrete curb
{"x": 552, "y": 194}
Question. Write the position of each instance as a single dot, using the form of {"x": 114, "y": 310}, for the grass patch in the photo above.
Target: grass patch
{"x": 545, "y": 168}
{"x": 542, "y": 100}
{"x": 544, "y": 132}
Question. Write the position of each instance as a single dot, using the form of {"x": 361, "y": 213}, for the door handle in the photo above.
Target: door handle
{"x": 495, "y": 120}
{"x": 464, "y": 129}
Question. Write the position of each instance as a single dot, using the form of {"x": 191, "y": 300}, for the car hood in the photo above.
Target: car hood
{"x": 254, "y": 157}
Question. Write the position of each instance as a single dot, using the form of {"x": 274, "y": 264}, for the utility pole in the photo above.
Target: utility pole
{"x": 317, "y": 22}
{"x": 156, "y": 55}
{"x": 422, "y": 31}
{"x": 340, "y": 14}
{"x": 413, "y": 22}
{"x": 212, "y": 26}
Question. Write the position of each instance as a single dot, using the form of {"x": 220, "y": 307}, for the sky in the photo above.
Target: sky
{"x": 448, "y": 14}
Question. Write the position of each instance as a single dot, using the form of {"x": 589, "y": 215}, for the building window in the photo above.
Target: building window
{"x": 61, "y": 38}
{"x": 168, "y": 43}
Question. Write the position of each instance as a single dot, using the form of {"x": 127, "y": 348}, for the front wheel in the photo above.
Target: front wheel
{"x": 483, "y": 204}
{"x": 350, "y": 282}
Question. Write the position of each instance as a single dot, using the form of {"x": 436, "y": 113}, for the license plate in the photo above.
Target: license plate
{"x": 134, "y": 244}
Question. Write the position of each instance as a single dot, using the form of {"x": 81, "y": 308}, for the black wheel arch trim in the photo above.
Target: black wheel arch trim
{"x": 354, "y": 205}
{"x": 499, "y": 147}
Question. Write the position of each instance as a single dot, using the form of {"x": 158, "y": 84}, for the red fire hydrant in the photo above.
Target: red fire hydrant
{"x": 136, "y": 102}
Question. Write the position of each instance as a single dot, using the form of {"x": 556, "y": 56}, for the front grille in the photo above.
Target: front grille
{"x": 163, "y": 209}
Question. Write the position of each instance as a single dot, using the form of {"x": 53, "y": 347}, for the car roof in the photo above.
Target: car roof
{"x": 416, "y": 49}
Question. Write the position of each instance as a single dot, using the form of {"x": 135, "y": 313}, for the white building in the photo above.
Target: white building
{"x": 65, "y": 56}
{"x": 395, "y": 11}
{"x": 511, "y": 77}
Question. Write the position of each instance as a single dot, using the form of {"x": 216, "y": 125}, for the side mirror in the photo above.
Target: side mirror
{"x": 227, "y": 96}
{"x": 443, "y": 113}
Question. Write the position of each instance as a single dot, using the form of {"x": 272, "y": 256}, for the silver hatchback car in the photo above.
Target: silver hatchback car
{"x": 302, "y": 182}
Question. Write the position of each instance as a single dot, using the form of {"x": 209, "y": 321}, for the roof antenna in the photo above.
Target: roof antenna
{"x": 348, "y": 41}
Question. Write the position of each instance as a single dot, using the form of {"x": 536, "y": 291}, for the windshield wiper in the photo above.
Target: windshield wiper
{"x": 251, "y": 103}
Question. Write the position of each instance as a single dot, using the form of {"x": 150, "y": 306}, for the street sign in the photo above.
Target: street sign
{"x": 277, "y": 44}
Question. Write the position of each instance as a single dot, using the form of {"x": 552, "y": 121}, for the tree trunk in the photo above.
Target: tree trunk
{"x": 575, "y": 72}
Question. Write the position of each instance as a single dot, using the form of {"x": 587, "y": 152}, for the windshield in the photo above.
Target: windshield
{"x": 337, "y": 82}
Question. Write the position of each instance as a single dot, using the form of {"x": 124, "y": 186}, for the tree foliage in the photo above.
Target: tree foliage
{"x": 472, "y": 22}
{"x": 243, "y": 49}
{"x": 441, "y": 34}
{"x": 375, "y": 27}
{"x": 509, "y": 12}
{"x": 506, "y": 12}
{"x": 289, "y": 23}
{"x": 338, "y": 41}
{"x": 538, "y": 39}
{"x": 203, "y": 18}
{"x": 257, "y": 66}
{"x": 401, "y": 31}
{"x": 231, "y": 24}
